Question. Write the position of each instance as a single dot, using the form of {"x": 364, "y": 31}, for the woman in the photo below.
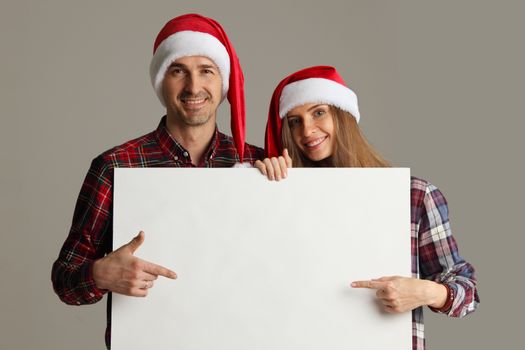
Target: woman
{"x": 313, "y": 121}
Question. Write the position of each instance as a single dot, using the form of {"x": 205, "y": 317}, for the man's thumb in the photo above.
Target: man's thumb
{"x": 136, "y": 242}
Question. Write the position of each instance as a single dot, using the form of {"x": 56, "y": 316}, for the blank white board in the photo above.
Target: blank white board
{"x": 263, "y": 265}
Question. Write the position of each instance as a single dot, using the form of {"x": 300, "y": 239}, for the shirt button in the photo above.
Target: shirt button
{"x": 91, "y": 295}
{"x": 176, "y": 158}
{"x": 78, "y": 302}
{"x": 185, "y": 154}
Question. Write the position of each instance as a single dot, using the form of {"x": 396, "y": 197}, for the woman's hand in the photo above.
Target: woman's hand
{"x": 401, "y": 294}
{"x": 275, "y": 168}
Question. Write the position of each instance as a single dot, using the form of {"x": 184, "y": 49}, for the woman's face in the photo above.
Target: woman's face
{"x": 312, "y": 127}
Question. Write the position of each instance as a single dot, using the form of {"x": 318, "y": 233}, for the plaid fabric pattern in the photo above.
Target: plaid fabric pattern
{"x": 435, "y": 255}
{"x": 90, "y": 237}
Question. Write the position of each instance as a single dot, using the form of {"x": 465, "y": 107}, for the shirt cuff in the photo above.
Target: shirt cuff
{"x": 92, "y": 293}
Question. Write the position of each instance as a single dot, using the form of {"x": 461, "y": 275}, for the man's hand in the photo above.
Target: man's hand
{"x": 123, "y": 273}
{"x": 401, "y": 294}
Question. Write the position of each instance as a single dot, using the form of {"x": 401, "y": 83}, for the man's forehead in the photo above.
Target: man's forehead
{"x": 194, "y": 61}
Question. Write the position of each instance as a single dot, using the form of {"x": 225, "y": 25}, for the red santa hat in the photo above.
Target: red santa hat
{"x": 196, "y": 35}
{"x": 319, "y": 84}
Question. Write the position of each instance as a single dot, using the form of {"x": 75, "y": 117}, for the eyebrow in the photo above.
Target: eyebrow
{"x": 208, "y": 66}
{"x": 200, "y": 66}
{"x": 174, "y": 64}
{"x": 315, "y": 106}
{"x": 308, "y": 110}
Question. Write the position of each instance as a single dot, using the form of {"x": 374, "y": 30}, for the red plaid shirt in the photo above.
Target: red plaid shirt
{"x": 90, "y": 237}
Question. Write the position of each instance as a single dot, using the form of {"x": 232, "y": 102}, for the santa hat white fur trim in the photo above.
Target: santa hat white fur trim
{"x": 318, "y": 90}
{"x": 242, "y": 165}
{"x": 188, "y": 43}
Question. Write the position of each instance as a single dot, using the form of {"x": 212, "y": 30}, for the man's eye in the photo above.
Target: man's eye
{"x": 176, "y": 70}
{"x": 208, "y": 71}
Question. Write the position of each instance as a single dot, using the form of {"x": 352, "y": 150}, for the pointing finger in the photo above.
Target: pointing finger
{"x": 159, "y": 270}
{"x": 370, "y": 284}
{"x": 385, "y": 278}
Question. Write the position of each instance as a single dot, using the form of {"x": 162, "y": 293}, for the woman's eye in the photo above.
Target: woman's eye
{"x": 293, "y": 122}
{"x": 319, "y": 112}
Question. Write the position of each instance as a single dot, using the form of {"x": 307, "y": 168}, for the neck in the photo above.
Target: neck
{"x": 327, "y": 163}
{"x": 324, "y": 163}
{"x": 194, "y": 138}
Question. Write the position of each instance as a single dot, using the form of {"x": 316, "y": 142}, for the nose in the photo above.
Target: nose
{"x": 192, "y": 85}
{"x": 309, "y": 127}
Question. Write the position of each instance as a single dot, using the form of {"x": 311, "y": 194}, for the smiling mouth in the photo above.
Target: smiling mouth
{"x": 316, "y": 142}
{"x": 193, "y": 103}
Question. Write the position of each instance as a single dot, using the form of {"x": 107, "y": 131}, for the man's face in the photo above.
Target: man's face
{"x": 192, "y": 90}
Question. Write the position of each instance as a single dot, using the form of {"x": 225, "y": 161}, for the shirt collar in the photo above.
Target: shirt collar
{"x": 177, "y": 152}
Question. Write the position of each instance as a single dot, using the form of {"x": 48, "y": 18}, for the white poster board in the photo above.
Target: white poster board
{"x": 263, "y": 265}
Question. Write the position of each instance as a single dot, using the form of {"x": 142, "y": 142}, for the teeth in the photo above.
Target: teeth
{"x": 194, "y": 102}
{"x": 315, "y": 142}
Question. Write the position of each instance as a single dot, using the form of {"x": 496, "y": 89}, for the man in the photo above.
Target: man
{"x": 194, "y": 67}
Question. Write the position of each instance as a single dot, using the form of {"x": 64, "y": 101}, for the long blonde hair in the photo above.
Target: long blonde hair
{"x": 351, "y": 149}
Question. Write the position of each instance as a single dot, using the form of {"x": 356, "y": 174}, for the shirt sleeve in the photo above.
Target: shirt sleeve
{"x": 439, "y": 258}
{"x": 89, "y": 238}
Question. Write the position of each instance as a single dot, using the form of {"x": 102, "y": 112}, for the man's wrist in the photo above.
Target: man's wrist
{"x": 95, "y": 274}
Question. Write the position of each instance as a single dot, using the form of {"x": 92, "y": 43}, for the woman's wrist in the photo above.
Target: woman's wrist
{"x": 443, "y": 298}
{"x": 437, "y": 295}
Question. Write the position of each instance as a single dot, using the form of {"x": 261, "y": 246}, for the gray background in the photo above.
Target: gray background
{"x": 440, "y": 88}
